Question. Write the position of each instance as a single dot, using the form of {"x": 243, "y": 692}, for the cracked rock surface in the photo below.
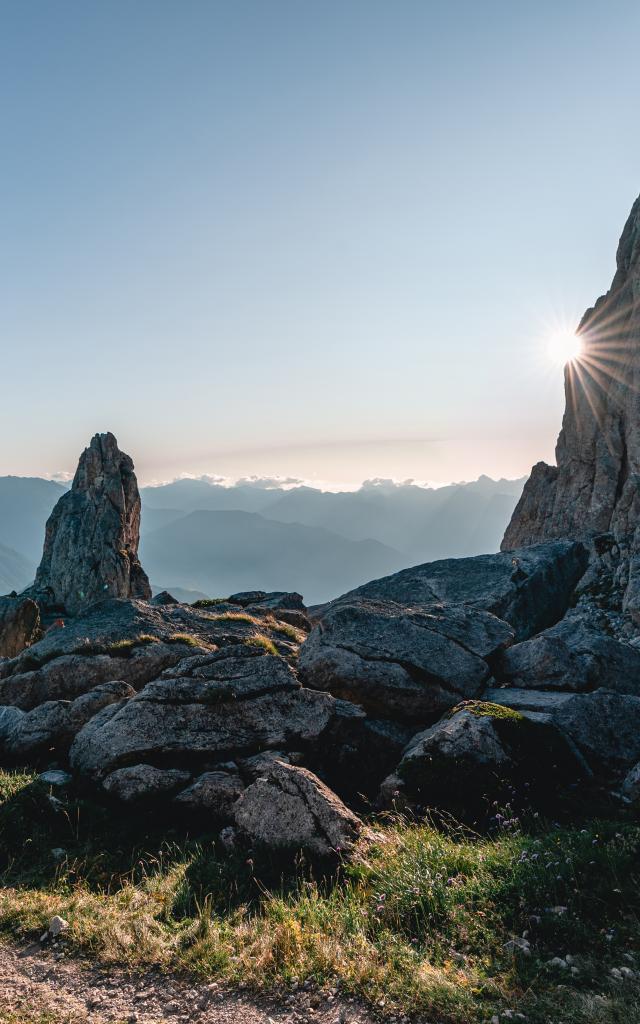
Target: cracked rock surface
{"x": 402, "y": 662}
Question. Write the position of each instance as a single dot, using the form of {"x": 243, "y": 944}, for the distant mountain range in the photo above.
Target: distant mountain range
{"x": 203, "y": 537}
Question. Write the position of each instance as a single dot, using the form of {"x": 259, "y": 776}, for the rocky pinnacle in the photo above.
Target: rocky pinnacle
{"x": 91, "y": 540}
{"x": 595, "y": 486}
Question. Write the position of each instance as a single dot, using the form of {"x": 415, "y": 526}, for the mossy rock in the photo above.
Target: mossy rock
{"x": 481, "y": 752}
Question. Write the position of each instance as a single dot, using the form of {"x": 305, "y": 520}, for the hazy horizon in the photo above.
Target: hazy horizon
{"x": 326, "y": 242}
{"x": 282, "y": 482}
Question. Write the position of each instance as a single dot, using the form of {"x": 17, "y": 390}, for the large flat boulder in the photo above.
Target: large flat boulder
{"x": 402, "y": 662}
{"x": 234, "y": 703}
{"x": 570, "y": 656}
{"x": 529, "y": 588}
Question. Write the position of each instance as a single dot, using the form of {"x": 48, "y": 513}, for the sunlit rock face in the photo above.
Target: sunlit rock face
{"x": 91, "y": 540}
{"x": 594, "y": 488}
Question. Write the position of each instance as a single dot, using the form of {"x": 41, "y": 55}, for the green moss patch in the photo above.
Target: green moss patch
{"x": 486, "y": 709}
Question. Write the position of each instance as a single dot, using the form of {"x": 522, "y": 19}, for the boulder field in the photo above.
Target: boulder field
{"x": 277, "y": 733}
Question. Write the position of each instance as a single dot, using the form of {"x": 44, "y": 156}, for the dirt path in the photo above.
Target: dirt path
{"x": 36, "y": 986}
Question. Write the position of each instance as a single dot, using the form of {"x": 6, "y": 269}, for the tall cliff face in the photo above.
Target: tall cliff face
{"x": 595, "y": 487}
{"x": 91, "y": 540}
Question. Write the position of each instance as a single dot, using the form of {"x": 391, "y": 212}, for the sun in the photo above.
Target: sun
{"x": 563, "y": 346}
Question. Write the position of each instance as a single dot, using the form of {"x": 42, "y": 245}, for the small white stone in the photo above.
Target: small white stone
{"x": 557, "y": 961}
{"x": 57, "y": 925}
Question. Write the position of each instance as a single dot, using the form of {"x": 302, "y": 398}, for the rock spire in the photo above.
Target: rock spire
{"x": 92, "y": 535}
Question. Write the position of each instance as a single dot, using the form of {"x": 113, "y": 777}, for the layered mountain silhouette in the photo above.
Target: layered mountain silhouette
{"x": 203, "y": 537}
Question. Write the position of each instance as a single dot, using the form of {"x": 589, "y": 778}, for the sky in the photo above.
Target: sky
{"x": 316, "y": 239}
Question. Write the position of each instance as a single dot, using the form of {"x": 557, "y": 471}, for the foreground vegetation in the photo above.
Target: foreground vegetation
{"x": 433, "y": 921}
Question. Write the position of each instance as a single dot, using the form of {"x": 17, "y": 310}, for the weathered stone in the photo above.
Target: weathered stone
{"x": 402, "y": 662}
{"x": 143, "y": 782}
{"x": 10, "y": 718}
{"x": 530, "y": 589}
{"x": 243, "y": 701}
{"x": 290, "y": 808}
{"x": 214, "y": 792}
{"x": 91, "y": 539}
{"x": 19, "y": 625}
{"x": 604, "y": 726}
{"x": 257, "y": 765}
{"x": 51, "y": 726}
{"x": 274, "y": 601}
{"x": 69, "y": 676}
{"x": 479, "y": 749}
{"x": 164, "y": 598}
{"x": 570, "y": 656}
{"x": 56, "y": 777}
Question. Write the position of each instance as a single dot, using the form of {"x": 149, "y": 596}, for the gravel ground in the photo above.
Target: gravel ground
{"x": 34, "y": 983}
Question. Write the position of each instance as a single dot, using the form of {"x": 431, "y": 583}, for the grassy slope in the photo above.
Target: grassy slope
{"x": 419, "y": 922}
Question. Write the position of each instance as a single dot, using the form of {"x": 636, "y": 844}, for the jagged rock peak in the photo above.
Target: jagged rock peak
{"x": 91, "y": 540}
{"x": 595, "y": 487}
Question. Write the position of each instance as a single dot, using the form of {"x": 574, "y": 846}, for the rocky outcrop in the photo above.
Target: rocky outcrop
{"x": 211, "y": 709}
{"x": 410, "y": 646}
{"x": 480, "y": 751}
{"x": 129, "y": 640}
{"x": 91, "y": 540}
{"x": 530, "y": 589}
{"x": 289, "y": 808}
{"x": 19, "y": 625}
{"x": 401, "y": 662}
{"x": 595, "y": 487}
{"x": 571, "y": 656}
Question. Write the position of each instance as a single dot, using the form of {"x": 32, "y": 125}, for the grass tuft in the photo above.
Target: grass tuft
{"x": 236, "y": 617}
{"x": 185, "y": 638}
{"x": 264, "y": 642}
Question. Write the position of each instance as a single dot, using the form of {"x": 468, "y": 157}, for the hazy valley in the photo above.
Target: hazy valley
{"x": 205, "y": 539}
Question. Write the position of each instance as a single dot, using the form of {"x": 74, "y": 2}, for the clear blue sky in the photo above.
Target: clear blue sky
{"x": 312, "y": 238}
